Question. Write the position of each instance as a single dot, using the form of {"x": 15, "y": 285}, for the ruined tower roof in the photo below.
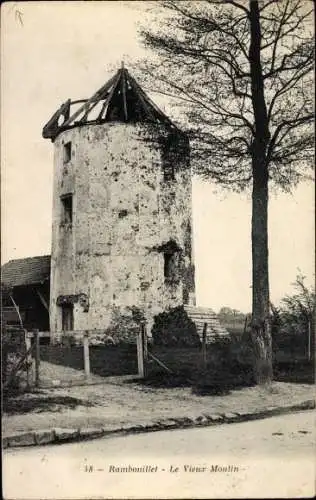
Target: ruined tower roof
{"x": 120, "y": 99}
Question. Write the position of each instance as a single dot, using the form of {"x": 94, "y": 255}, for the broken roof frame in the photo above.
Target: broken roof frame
{"x": 121, "y": 99}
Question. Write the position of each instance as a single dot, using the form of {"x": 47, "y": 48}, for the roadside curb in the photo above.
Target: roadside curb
{"x": 63, "y": 435}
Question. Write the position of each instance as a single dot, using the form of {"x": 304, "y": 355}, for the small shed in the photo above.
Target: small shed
{"x": 28, "y": 280}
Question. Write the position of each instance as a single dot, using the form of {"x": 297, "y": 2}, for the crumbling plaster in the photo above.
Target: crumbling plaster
{"x": 122, "y": 210}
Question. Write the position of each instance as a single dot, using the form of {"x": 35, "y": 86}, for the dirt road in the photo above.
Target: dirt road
{"x": 274, "y": 457}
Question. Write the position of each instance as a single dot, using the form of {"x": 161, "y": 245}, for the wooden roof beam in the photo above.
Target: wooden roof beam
{"x": 124, "y": 92}
{"x": 95, "y": 97}
{"x": 49, "y": 130}
{"x": 109, "y": 97}
{"x": 155, "y": 107}
{"x": 148, "y": 102}
{"x": 137, "y": 89}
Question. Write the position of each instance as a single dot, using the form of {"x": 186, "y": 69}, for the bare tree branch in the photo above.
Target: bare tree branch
{"x": 210, "y": 76}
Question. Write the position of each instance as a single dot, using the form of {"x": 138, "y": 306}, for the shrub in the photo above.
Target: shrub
{"x": 174, "y": 328}
{"x": 293, "y": 323}
{"x": 224, "y": 371}
{"x": 222, "y": 379}
{"x": 68, "y": 340}
{"x": 160, "y": 378}
{"x": 295, "y": 371}
{"x": 12, "y": 382}
{"x": 124, "y": 324}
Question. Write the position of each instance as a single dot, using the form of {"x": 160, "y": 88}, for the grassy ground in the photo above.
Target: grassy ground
{"x": 300, "y": 372}
{"x": 184, "y": 363}
{"x": 104, "y": 360}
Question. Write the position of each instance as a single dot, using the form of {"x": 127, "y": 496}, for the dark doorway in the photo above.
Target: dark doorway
{"x": 67, "y": 317}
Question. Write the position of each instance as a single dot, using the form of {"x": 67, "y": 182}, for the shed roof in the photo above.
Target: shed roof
{"x": 28, "y": 271}
{"x": 120, "y": 99}
{"x": 202, "y": 315}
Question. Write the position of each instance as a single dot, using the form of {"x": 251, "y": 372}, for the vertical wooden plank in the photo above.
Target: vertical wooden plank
{"x": 37, "y": 357}
{"x": 309, "y": 353}
{"x": 5, "y": 354}
{"x": 145, "y": 347}
{"x": 245, "y": 325}
{"x": 140, "y": 353}
{"x": 204, "y": 359}
{"x": 86, "y": 356}
{"x": 124, "y": 92}
{"x": 28, "y": 360}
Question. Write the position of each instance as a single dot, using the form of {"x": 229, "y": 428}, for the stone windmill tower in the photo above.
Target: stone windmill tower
{"x": 122, "y": 211}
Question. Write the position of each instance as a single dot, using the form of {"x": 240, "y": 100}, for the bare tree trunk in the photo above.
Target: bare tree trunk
{"x": 260, "y": 331}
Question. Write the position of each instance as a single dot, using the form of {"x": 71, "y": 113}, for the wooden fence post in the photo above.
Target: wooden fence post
{"x": 309, "y": 341}
{"x": 4, "y": 359}
{"x": 28, "y": 359}
{"x": 37, "y": 357}
{"x": 140, "y": 352}
{"x": 145, "y": 347}
{"x": 245, "y": 325}
{"x": 204, "y": 358}
{"x": 86, "y": 356}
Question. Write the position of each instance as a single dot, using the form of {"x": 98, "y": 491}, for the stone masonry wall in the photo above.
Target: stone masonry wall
{"x": 123, "y": 213}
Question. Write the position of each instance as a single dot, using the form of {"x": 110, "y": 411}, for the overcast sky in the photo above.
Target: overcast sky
{"x": 52, "y": 51}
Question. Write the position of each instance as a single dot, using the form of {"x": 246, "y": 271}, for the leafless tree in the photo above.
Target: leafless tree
{"x": 243, "y": 73}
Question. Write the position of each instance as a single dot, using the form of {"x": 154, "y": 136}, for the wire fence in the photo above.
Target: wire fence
{"x": 81, "y": 356}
